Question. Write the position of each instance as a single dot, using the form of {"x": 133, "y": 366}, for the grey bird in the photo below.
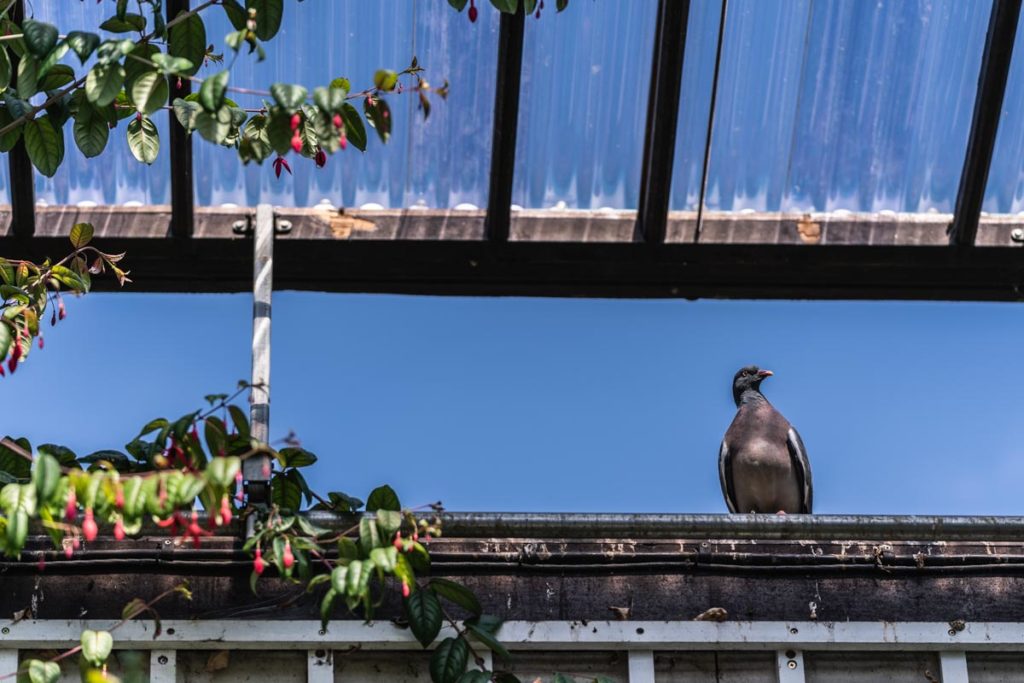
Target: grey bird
{"x": 762, "y": 463}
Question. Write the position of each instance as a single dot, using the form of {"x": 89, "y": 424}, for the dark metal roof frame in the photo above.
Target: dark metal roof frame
{"x": 988, "y": 108}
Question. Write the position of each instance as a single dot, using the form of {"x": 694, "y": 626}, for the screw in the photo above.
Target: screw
{"x": 5, "y": 630}
{"x": 162, "y": 659}
{"x": 794, "y": 630}
{"x": 1017, "y": 235}
{"x": 323, "y": 632}
{"x": 170, "y": 631}
{"x": 951, "y": 632}
{"x": 791, "y": 664}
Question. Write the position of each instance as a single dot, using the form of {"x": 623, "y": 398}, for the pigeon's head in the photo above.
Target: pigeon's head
{"x": 746, "y": 379}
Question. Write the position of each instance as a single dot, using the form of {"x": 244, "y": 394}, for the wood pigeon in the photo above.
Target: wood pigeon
{"x": 762, "y": 463}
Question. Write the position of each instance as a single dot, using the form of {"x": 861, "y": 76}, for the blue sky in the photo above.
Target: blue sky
{"x": 561, "y": 405}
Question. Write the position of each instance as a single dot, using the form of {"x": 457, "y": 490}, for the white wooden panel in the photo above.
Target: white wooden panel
{"x": 537, "y": 635}
{"x": 954, "y": 666}
{"x": 530, "y": 665}
{"x": 320, "y": 666}
{"x": 789, "y": 666}
{"x": 242, "y": 666}
{"x": 163, "y": 666}
{"x": 641, "y": 666}
{"x": 8, "y": 662}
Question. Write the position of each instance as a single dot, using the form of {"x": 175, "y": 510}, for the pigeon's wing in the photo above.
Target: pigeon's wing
{"x": 802, "y": 466}
{"x": 725, "y": 476}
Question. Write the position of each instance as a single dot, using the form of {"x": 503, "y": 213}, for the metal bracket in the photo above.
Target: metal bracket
{"x": 245, "y": 227}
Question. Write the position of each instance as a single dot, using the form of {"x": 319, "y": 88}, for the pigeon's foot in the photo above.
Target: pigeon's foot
{"x": 781, "y": 512}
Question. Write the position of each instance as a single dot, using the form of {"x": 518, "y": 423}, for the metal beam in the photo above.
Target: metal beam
{"x": 953, "y": 664}
{"x": 662, "y": 119}
{"x": 22, "y": 175}
{"x": 506, "y": 123}
{"x": 180, "y": 145}
{"x": 988, "y": 108}
{"x": 741, "y": 271}
{"x": 790, "y": 666}
{"x": 256, "y": 469}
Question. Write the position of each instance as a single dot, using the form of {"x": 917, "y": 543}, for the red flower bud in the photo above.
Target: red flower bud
{"x": 415, "y": 535}
{"x": 68, "y": 551}
{"x": 40, "y": 341}
{"x": 297, "y": 143}
{"x": 75, "y": 543}
{"x": 342, "y": 140}
{"x": 279, "y": 164}
{"x": 266, "y": 470}
{"x": 321, "y": 161}
{"x": 61, "y": 313}
{"x": 41, "y": 564}
{"x": 472, "y": 11}
{"x": 287, "y": 559}
{"x": 405, "y": 589}
{"x": 119, "y": 530}
{"x": 296, "y": 120}
{"x": 12, "y": 365}
{"x": 2, "y": 373}
{"x": 398, "y": 541}
{"x": 89, "y": 528}
{"x": 337, "y": 121}
{"x": 257, "y": 564}
{"x": 71, "y": 510}
{"x": 225, "y": 510}
{"x": 119, "y": 498}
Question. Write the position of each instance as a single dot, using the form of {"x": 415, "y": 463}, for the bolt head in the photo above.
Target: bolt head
{"x": 1017, "y": 235}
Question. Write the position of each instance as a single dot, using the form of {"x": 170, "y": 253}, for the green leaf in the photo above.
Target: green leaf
{"x": 354, "y": 129}
{"x": 13, "y": 463}
{"x": 369, "y": 536}
{"x": 211, "y": 92}
{"x": 529, "y": 6}
{"x": 236, "y": 13}
{"x": 506, "y": 6}
{"x": 357, "y": 579}
{"x": 459, "y": 5}
{"x": 475, "y": 676}
{"x": 286, "y": 491}
{"x": 83, "y": 44}
{"x": 64, "y": 456}
{"x": 91, "y": 130}
{"x": 327, "y": 607}
{"x": 57, "y": 77}
{"x": 28, "y": 77}
{"x": 449, "y": 660}
{"x": 385, "y": 79}
{"x": 5, "y": 339}
{"x": 40, "y": 38}
{"x": 131, "y": 23}
{"x": 383, "y": 498}
{"x": 5, "y": 69}
{"x": 423, "y": 610}
{"x": 561, "y": 5}
{"x": 11, "y": 137}
{"x": 45, "y": 476}
{"x": 347, "y": 550}
{"x": 81, "y": 235}
{"x": 96, "y": 646}
{"x": 188, "y": 41}
{"x": 289, "y": 96}
{"x": 45, "y": 145}
{"x": 103, "y": 83}
{"x": 143, "y": 139}
{"x": 295, "y": 457}
{"x": 173, "y": 65}
{"x": 43, "y": 672}
{"x": 187, "y": 113}
{"x": 563, "y": 678}
{"x": 487, "y": 639}
{"x": 378, "y": 115}
{"x": 385, "y": 558}
{"x": 330, "y": 100}
{"x": 389, "y": 521}
{"x": 268, "y": 17}
{"x": 137, "y": 64}
{"x": 457, "y": 593}
{"x": 149, "y": 92}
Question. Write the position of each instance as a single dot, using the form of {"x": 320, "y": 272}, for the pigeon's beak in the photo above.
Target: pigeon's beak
{"x": 764, "y": 373}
